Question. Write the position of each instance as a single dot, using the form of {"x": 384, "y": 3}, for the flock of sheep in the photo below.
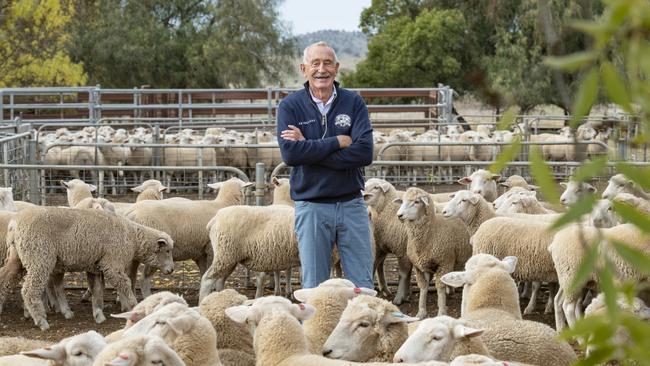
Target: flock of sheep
{"x": 471, "y": 238}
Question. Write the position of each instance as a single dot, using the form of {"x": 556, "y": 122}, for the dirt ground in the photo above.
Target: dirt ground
{"x": 185, "y": 281}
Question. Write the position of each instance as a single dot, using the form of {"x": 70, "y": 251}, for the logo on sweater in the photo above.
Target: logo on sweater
{"x": 343, "y": 120}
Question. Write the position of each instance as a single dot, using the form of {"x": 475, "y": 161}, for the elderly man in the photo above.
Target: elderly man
{"x": 325, "y": 135}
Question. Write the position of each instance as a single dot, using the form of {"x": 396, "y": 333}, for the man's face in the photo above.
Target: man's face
{"x": 321, "y": 68}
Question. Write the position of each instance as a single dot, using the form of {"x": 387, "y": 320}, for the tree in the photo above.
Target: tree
{"x": 32, "y": 44}
{"x": 181, "y": 44}
{"x": 417, "y": 53}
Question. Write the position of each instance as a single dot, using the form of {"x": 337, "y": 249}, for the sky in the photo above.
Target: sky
{"x": 306, "y": 16}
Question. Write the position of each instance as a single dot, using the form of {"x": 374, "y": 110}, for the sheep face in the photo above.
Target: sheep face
{"x": 7, "y": 199}
{"x": 434, "y": 339}
{"x": 375, "y": 192}
{"x": 617, "y": 184}
{"x": 252, "y": 312}
{"x": 516, "y": 203}
{"x": 414, "y": 205}
{"x": 79, "y": 350}
{"x": 460, "y": 205}
{"x": 573, "y": 191}
{"x": 163, "y": 255}
{"x": 603, "y": 215}
{"x": 482, "y": 182}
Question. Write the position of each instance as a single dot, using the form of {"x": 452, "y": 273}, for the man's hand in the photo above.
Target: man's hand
{"x": 292, "y": 134}
{"x": 344, "y": 141}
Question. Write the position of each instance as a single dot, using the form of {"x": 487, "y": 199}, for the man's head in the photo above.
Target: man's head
{"x": 319, "y": 65}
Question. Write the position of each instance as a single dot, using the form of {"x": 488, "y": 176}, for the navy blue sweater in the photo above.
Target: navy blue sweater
{"x": 322, "y": 170}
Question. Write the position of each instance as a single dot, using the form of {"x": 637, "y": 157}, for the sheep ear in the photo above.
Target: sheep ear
{"x": 215, "y": 186}
{"x": 496, "y": 177}
{"x": 275, "y": 181}
{"x": 138, "y": 189}
{"x": 398, "y": 317}
{"x": 64, "y": 183}
{"x": 55, "y": 353}
{"x": 510, "y": 262}
{"x": 122, "y": 360}
{"x": 473, "y": 199}
{"x": 241, "y": 313}
{"x": 462, "y": 331}
{"x": 532, "y": 187}
{"x": 164, "y": 189}
{"x": 591, "y": 188}
{"x": 303, "y": 294}
{"x": 455, "y": 279}
{"x": 384, "y": 187}
{"x": 353, "y": 292}
{"x": 98, "y": 206}
{"x": 367, "y": 196}
{"x": 302, "y": 311}
{"x": 92, "y": 187}
{"x": 182, "y": 324}
{"x": 133, "y": 316}
{"x": 563, "y": 184}
{"x": 398, "y": 200}
{"x": 425, "y": 200}
{"x": 504, "y": 184}
{"x": 465, "y": 180}
{"x": 247, "y": 184}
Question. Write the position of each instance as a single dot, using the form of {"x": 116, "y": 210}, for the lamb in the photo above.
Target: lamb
{"x": 235, "y": 345}
{"x": 141, "y": 350}
{"x": 191, "y": 239}
{"x": 142, "y": 309}
{"x": 567, "y": 251}
{"x": 492, "y": 301}
{"x": 64, "y": 245}
{"x": 78, "y": 350}
{"x": 278, "y": 337}
{"x": 390, "y": 236}
{"x": 620, "y": 184}
{"x": 151, "y": 189}
{"x": 527, "y": 204}
{"x": 482, "y": 182}
{"x": 471, "y": 208}
{"x": 435, "y": 245}
{"x": 329, "y": 299}
{"x": 185, "y": 330}
{"x": 267, "y": 244}
{"x": 514, "y": 191}
{"x": 370, "y": 329}
{"x": 518, "y": 181}
{"x": 101, "y": 204}
{"x": 574, "y": 191}
{"x": 77, "y": 190}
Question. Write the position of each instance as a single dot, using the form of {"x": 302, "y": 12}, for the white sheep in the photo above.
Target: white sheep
{"x": 370, "y": 329}
{"x": 519, "y": 191}
{"x": 185, "y": 330}
{"x": 390, "y": 235}
{"x": 574, "y": 191}
{"x": 482, "y": 182}
{"x": 141, "y": 350}
{"x": 278, "y": 337}
{"x": 634, "y": 201}
{"x": 621, "y": 184}
{"x": 436, "y": 245}
{"x": 235, "y": 344}
{"x": 471, "y": 208}
{"x": 330, "y": 299}
{"x": 13, "y": 345}
{"x": 522, "y": 203}
{"x": 492, "y": 304}
{"x": 518, "y": 181}
{"x": 191, "y": 239}
{"x": 78, "y": 350}
{"x": 45, "y": 239}
{"x": 77, "y": 190}
{"x": 568, "y": 251}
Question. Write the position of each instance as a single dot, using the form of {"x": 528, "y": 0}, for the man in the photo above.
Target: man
{"x": 324, "y": 133}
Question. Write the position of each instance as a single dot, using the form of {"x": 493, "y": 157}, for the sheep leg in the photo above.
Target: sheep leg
{"x": 441, "y": 291}
{"x": 277, "y": 291}
{"x": 56, "y": 284}
{"x": 552, "y": 289}
{"x": 380, "y": 257}
{"x": 49, "y": 299}
{"x": 289, "y": 289}
{"x": 423, "y": 280}
{"x": 10, "y": 274}
{"x": 97, "y": 287}
{"x": 133, "y": 274}
{"x": 560, "y": 320}
{"x": 247, "y": 279}
{"x": 530, "y": 308}
{"x": 404, "y": 285}
{"x": 214, "y": 280}
{"x": 526, "y": 290}
{"x": 33, "y": 287}
{"x": 569, "y": 311}
{"x": 145, "y": 282}
{"x": 261, "y": 280}
{"x": 120, "y": 281}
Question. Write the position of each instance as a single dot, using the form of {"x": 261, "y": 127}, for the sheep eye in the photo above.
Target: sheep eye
{"x": 364, "y": 325}
{"x": 436, "y": 338}
{"x": 77, "y": 354}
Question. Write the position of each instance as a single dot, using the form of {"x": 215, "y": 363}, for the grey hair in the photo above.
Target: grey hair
{"x": 317, "y": 44}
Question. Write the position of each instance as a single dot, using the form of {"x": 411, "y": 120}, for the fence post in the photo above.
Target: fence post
{"x": 34, "y": 176}
{"x": 260, "y": 183}
{"x": 156, "y": 152}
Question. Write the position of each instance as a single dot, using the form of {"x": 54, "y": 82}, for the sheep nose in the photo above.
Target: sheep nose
{"x": 326, "y": 352}
{"x": 400, "y": 216}
{"x": 398, "y": 360}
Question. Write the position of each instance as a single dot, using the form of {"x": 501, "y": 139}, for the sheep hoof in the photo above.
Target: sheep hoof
{"x": 385, "y": 293}
{"x": 68, "y": 314}
{"x": 99, "y": 317}
{"x": 397, "y": 301}
{"x": 528, "y": 311}
{"x": 86, "y": 296}
{"x": 421, "y": 314}
{"x": 43, "y": 324}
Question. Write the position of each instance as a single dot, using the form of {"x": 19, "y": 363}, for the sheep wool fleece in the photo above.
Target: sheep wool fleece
{"x": 326, "y": 183}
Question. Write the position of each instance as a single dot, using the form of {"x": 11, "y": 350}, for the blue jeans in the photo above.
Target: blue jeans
{"x": 319, "y": 226}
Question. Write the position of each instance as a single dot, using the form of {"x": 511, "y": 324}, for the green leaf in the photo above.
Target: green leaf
{"x": 586, "y": 96}
{"x": 638, "y": 175}
{"x": 571, "y": 62}
{"x": 618, "y": 14}
{"x": 508, "y": 154}
{"x": 635, "y": 257}
{"x": 590, "y": 170}
{"x": 507, "y": 118}
{"x": 598, "y": 356}
{"x": 633, "y": 216}
{"x": 575, "y": 212}
{"x": 585, "y": 270}
{"x": 543, "y": 176}
{"x": 594, "y": 29}
{"x": 614, "y": 86}
{"x": 606, "y": 282}
{"x": 584, "y": 326}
